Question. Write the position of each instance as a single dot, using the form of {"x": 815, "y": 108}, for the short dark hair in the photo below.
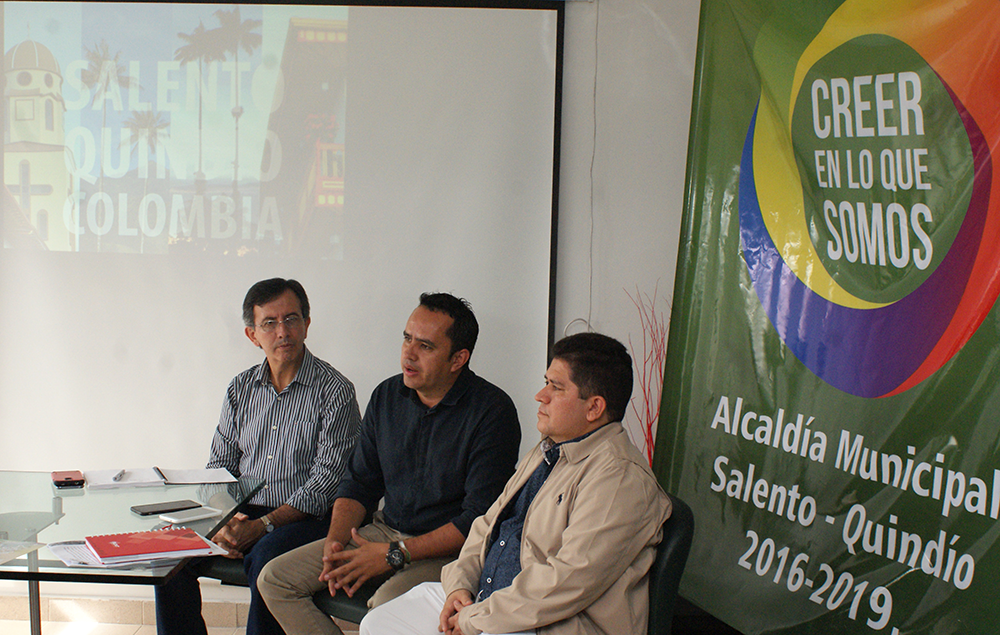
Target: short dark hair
{"x": 266, "y": 290}
{"x": 464, "y": 330}
{"x": 598, "y": 365}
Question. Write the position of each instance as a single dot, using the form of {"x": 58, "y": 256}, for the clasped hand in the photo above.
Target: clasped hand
{"x": 456, "y": 601}
{"x": 348, "y": 569}
{"x": 239, "y": 534}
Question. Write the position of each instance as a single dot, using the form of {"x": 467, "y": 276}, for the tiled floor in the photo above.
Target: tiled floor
{"x": 224, "y": 610}
{"x": 18, "y": 627}
{"x": 15, "y": 627}
{"x": 688, "y": 620}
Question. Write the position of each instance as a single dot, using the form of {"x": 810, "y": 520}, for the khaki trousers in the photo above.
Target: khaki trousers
{"x": 288, "y": 582}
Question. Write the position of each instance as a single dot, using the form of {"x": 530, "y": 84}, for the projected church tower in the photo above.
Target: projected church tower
{"x": 310, "y": 127}
{"x": 35, "y": 155}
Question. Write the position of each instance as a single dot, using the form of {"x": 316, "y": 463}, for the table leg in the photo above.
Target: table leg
{"x": 34, "y": 597}
{"x": 35, "y": 607}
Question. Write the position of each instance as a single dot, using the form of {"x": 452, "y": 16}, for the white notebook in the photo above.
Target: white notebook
{"x": 152, "y": 476}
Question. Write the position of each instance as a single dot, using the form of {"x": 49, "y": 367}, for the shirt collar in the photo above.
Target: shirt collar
{"x": 551, "y": 451}
{"x": 459, "y": 388}
{"x": 305, "y": 375}
{"x": 454, "y": 394}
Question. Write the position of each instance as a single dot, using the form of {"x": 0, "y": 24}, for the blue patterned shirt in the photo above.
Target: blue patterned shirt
{"x": 503, "y": 560}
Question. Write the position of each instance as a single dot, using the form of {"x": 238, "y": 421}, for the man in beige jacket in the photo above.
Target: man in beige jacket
{"x": 567, "y": 547}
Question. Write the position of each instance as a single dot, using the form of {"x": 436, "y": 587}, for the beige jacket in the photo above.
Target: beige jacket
{"x": 588, "y": 543}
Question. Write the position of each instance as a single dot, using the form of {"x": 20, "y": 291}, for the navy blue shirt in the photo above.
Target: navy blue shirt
{"x": 503, "y": 557}
{"x": 503, "y": 560}
{"x": 434, "y": 466}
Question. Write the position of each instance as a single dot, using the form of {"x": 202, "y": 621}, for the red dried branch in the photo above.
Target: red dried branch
{"x": 650, "y": 370}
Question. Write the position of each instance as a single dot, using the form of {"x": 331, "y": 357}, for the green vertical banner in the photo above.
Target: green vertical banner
{"x": 831, "y": 405}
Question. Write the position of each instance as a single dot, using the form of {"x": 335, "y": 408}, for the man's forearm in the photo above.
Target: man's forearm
{"x": 444, "y": 541}
{"x": 285, "y": 515}
{"x": 347, "y": 515}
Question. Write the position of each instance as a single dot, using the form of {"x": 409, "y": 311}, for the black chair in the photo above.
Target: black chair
{"x": 340, "y": 606}
{"x": 351, "y": 609}
{"x": 226, "y": 570}
{"x": 665, "y": 575}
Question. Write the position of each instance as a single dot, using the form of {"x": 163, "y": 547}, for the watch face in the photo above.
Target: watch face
{"x": 395, "y": 558}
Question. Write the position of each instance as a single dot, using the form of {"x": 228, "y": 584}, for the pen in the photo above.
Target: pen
{"x": 117, "y": 477}
{"x": 159, "y": 473}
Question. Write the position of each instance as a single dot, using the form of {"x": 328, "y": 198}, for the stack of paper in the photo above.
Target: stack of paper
{"x": 135, "y": 477}
{"x": 152, "y": 476}
{"x": 12, "y": 549}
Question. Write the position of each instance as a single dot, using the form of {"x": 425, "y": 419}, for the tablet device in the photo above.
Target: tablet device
{"x": 163, "y": 508}
{"x": 189, "y": 515}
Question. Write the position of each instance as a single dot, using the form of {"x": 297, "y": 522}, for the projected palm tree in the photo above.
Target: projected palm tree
{"x": 151, "y": 128}
{"x": 235, "y": 34}
{"x": 202, "y": 46}
{"x": 103, "y": 71}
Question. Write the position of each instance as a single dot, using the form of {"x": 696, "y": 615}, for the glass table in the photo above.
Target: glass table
{"x": 34, "y": 510}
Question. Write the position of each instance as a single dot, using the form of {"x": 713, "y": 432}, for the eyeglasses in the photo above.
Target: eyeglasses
{"x": 290, "y": 322}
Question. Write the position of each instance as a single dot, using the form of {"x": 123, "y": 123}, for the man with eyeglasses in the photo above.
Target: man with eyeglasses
{"x": 292, "y": 421}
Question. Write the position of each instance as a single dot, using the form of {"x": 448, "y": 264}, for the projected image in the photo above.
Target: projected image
{"x": 158, "y": 128}
{"x": 159, "y": 158}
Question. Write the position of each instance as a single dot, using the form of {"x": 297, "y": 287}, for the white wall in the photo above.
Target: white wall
{"x": 645, "y": 55}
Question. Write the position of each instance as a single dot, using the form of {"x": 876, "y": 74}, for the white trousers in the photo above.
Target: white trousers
{"x": 416, "y": 612}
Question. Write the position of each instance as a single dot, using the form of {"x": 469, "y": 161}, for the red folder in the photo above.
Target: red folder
{"x": 139, "y": 546}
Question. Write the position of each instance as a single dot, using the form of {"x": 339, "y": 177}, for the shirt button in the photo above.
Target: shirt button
{"x": 274, "y": 427}
{"x": 489, "y": 580}
{"x": 503, "y": 542}
{"x": 269, "y": 457}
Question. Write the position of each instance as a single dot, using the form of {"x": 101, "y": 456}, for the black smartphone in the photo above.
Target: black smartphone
{"x": 68, "y": 479}
{"x": 163, "y": 508}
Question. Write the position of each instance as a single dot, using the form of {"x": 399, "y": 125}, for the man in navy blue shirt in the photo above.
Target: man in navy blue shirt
{"x": 437, "y": 443}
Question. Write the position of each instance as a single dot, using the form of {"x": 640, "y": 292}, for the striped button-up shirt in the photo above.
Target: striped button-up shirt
{"x": 297, "y": 441}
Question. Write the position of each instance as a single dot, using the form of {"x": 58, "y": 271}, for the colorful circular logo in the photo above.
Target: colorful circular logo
{"x": 865, "y": 200}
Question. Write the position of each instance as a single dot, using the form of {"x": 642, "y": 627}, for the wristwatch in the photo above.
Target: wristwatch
{"x": 397, "y": 557}
{"x": 268, "y": 525}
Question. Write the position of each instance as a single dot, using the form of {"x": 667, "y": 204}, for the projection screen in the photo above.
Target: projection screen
{"x": 159, "y": 158}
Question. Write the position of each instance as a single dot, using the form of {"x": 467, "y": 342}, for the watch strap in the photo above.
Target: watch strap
{"x": 268, "y": 525}
{"x": 406, "y": 552}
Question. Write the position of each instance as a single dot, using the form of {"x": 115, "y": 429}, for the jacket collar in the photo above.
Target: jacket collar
{"x": 576, "y": 450}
